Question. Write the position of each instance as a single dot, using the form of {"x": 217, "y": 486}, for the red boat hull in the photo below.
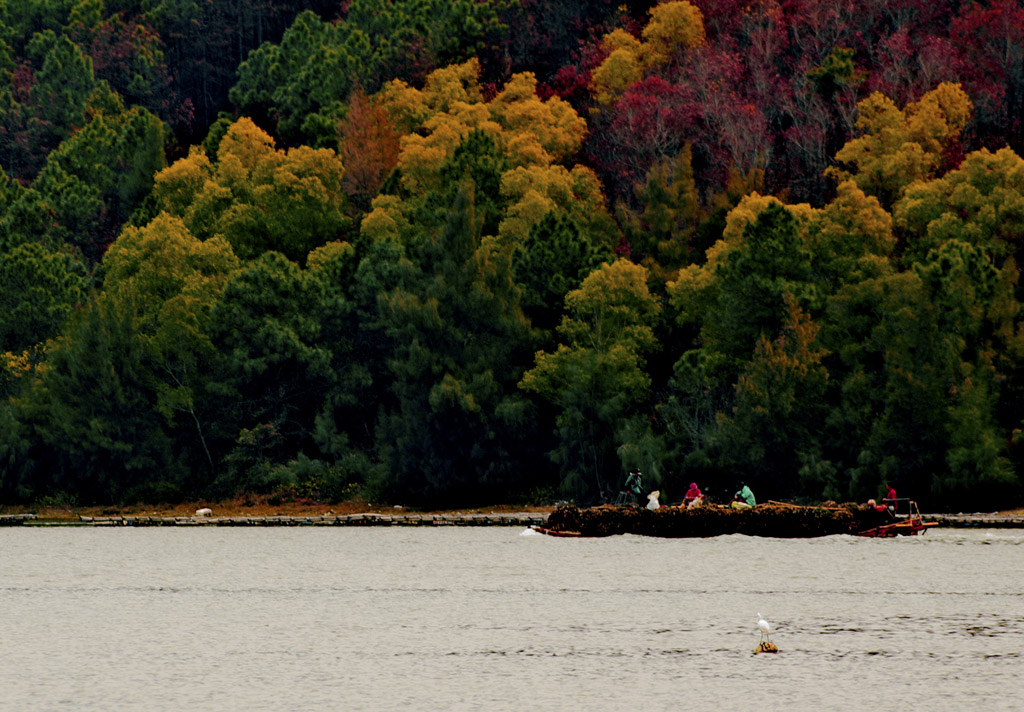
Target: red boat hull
{"x": 907, "y": 527}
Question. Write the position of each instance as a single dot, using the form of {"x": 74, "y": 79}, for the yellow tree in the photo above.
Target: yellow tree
{"x": 673, "y": 28}
{"x": 535, "y": 191}
{"x": 552, "y": 125}
{"x": 258, "y": 197}
{"x": 622, "y": 67}
{"x": 410, "y": 107}
{"x": 163, "y": 261}
{"x": 981, "y": 202}
{"x": 851, "y": 238}
{"x": 533, "y": 137}
{"x": 898, "y": 147}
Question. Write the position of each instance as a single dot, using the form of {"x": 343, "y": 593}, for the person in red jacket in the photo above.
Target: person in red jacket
{"x": 692, "y": 495}
{"x": 890, "y": 499}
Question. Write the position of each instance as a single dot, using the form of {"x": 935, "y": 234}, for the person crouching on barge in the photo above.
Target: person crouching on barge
{"x": 743, "y": 499}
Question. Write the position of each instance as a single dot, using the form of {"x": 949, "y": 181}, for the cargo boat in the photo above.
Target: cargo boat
{"x": 910, "y": 525}
{"x": 773, "y": 519}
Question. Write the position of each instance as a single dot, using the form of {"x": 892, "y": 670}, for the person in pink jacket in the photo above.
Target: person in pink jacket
{"x": 692, "y": 495}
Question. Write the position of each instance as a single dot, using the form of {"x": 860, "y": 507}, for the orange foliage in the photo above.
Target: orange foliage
{"x": 369, "y": 149}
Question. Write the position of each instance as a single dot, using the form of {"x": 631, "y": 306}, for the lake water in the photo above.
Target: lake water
{"x": 488, "y": 619}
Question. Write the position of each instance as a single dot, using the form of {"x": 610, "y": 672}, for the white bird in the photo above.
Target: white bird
{"x": 766, "y": 630}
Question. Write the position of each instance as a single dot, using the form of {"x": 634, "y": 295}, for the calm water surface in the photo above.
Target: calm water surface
{"x": 487, "y": 619}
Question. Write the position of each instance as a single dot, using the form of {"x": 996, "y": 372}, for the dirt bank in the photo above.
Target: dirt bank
{"x": 251, "y": 506}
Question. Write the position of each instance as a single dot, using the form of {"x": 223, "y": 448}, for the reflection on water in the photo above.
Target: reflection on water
{"x": 486, "y": 619}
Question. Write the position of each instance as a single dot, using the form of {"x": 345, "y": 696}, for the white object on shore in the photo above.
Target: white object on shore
{"x": 204, "y": 512}
{"x": 652, "y": 499}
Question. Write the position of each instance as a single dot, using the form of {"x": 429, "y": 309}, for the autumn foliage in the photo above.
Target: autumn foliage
{"x": 442, "y": 253}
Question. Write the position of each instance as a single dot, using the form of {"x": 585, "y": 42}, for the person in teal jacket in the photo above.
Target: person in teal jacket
{"x": 744, "y": 498}
{"x": 634, "y": 485}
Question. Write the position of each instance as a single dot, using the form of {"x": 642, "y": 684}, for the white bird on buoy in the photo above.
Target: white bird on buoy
{"x": 766, "y": 630}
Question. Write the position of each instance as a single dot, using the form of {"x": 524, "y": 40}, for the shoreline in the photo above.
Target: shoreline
{"x": 252, "y": 508}
{"x": 363, "y": 519}
{"x": 994, "y": 520}
{"x": 265, "y": 511}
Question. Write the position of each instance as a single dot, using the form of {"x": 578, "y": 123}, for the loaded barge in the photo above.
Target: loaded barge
{"x": 774, "y": 519}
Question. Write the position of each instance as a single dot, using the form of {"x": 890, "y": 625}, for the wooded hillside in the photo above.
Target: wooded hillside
{"x": 459, "y": 251}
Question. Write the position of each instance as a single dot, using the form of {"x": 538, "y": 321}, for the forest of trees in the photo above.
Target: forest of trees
{"x": 452, "y": 252}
